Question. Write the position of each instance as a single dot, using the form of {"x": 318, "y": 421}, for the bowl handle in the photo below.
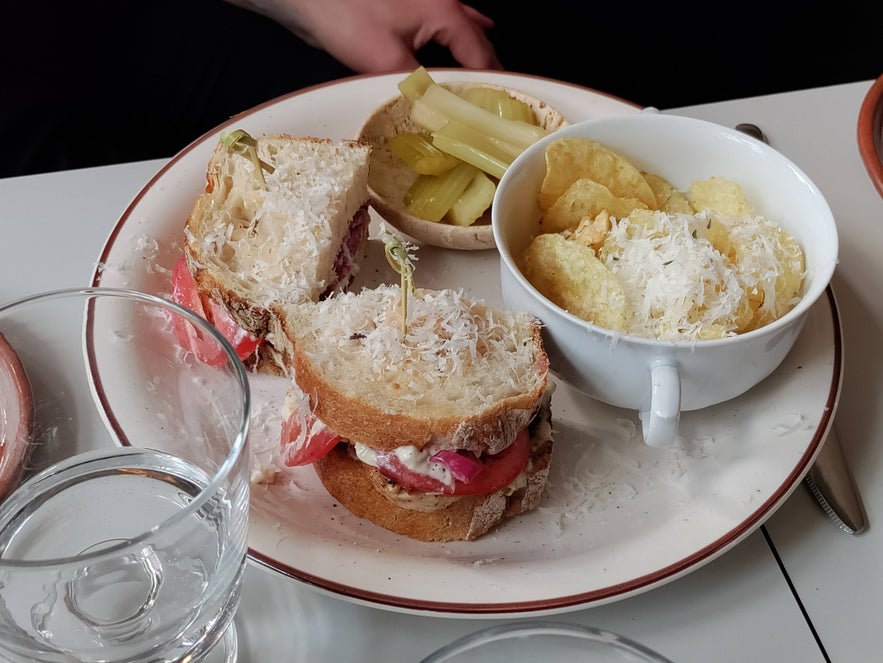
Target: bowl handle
{"x": 660, "y": 422}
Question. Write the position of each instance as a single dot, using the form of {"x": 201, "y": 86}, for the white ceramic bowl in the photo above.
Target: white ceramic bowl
{"x": 662, "y": 378}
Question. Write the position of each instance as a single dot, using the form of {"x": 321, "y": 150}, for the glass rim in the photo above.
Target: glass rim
{"x": 500, "y": 632}
{"x": 88, "y": 294}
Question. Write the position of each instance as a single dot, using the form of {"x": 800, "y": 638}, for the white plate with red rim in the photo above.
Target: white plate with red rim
{"x": 619, "y": 518}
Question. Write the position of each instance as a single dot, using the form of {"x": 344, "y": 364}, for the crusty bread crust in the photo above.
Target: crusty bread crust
{"x": 359, "y": 419}
{"x": 215, "y": 284}
{"x": 364, "y": 412}
{"x": 390, "y": 177}
{"x": 366, "y": 493}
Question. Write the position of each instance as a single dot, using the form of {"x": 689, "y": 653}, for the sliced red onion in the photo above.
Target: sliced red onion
{"x": 463, "y": 468}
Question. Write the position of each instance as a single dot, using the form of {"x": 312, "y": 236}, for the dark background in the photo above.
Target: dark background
{"x": 94, "y": 83}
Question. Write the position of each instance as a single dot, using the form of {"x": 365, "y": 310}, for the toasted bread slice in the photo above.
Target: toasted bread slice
{"x": 284, "y": 233}
{"x": 463, "y": 376}
{"x": 366, "y": 493}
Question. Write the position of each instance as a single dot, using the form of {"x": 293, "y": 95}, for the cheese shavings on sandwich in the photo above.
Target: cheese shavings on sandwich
{"x": 432, "y": 429}
{"x": 282, "y": 219}
{"x": 451, "y": 350}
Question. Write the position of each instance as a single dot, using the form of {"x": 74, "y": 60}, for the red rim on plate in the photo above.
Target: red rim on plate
{"x": 870, "y": 133}
{"x": 300, "y": 533}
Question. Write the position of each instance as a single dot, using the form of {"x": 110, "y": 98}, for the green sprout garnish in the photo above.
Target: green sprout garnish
{"x": 400, "y": 258}
{"x": 241, "y": 142}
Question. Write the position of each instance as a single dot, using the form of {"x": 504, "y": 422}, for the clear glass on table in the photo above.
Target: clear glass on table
{"x": 531, "y": 641}
{"x": 126, "y": 540}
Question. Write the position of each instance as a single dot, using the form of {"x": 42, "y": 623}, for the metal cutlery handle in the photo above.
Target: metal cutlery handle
{"x": 829, "y": 479}
{"x": 831, "y": 482}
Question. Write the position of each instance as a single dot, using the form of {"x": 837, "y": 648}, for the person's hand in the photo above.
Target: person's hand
{"x": 374, "y": 36}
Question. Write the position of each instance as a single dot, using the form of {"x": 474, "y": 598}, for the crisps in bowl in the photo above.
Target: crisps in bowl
{"x": 695, "y": 266}
{"x": 764, "y": 257}
{"x": 668, "y": 198}
{"x": 569, "y": 274}
{"x": 720, "y": 195}
{"x": 585, "y": 198}
{"x": 569, "y": 159}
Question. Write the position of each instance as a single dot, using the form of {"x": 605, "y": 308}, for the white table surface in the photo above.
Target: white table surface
{"x": 798, "y": 589}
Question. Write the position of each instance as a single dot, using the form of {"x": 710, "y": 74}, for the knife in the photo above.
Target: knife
{"x": 829, "y": 479}
{"x": 832, "y": 484}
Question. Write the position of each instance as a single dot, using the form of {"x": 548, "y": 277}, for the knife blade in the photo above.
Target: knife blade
{"x": 829, "y": 479}
{"x": 833, "y": 486}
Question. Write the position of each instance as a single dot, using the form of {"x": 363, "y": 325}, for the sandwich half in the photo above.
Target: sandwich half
{"x": 438, "y": 428}
{"x": 282, "y": 220}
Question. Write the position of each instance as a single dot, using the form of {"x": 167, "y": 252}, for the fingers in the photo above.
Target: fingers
{"x": 385, "y": 35}
{"x": 484, "y": 22}
{"x": 394, "y": 56}
{"x": 381, "y": 48}
{"x": 464, "y": 33}
{"x": 471, "y": 49}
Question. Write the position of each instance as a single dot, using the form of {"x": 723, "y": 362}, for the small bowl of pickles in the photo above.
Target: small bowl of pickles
{"x": 439, "y": 150}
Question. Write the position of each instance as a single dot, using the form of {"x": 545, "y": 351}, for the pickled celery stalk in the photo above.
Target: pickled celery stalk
{"x": 427, "y": 117}
{"x": 484, "y": 131}
{"x": 414, "y": 84}
{"x": 470, "y": 154}
{"x": 457, "y": 108}
{"x": 431, "y": 196}
{"x": 473, "y": 202}
{"x": 417, "y": 150}
{"x": 499, "y": 149}
{"x": 500, "y": 103}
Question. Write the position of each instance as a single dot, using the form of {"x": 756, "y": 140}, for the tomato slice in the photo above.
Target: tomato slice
{"x": 245, "y": 343}
{"x": 500, "y": 470}
{"x": 305, "y": 439}
{"x": 185, "y": 293}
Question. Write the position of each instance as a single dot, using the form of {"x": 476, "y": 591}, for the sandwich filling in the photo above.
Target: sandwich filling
{"x": 186, "y": 292}
{"x": 434, "y": 400}
{"x": 435, "y": 470}
{"x": 281, "y": 220}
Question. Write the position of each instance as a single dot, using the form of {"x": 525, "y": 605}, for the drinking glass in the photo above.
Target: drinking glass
{"x": 527, "y": 642}
{"x": 126, "y": 540}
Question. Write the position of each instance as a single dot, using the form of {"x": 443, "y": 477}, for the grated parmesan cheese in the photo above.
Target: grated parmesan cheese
{"x": 275, "y": 239}
{"x": 678, "y": 284}
{"x": 456, "y": 352}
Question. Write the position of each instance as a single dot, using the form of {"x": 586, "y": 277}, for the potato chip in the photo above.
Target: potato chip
{"x": 770, "y": 263}
{"x": 711, "y": 332}
{"x": 720, "y": 195}
{"x": 571, "y": 159}
{"x": 640, "y": 223}
{"x": 585, "y": 198}
{"x": 668, "y": 199}
{"x": 592, "y": 231}
{"x": 717, "y": 233}
{"x": 568, "y": 273}
{"x": 698, "y": 266}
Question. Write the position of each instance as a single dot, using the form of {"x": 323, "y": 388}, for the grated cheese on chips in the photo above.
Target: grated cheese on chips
{"x": 677, "y": 285}
{"x": 695, "y": 266}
